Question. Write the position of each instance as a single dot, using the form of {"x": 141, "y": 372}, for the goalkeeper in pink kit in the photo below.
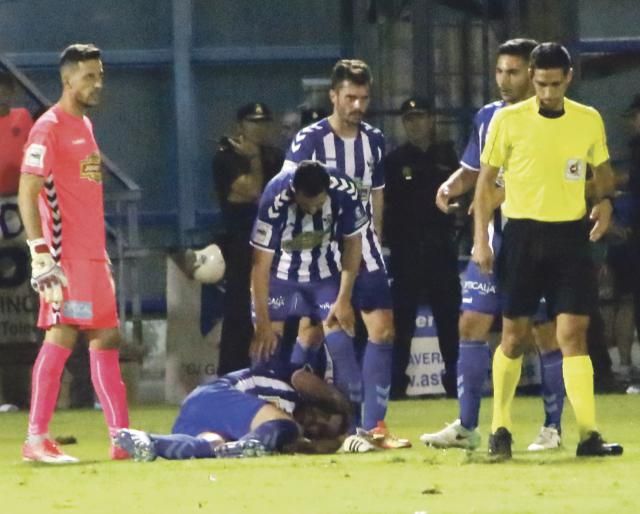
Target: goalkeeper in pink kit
{"x": 61, "y": 203}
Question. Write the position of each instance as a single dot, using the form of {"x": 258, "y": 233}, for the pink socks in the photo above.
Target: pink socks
{"x": 45, "y": 386}
{"x": 107, "y": 382}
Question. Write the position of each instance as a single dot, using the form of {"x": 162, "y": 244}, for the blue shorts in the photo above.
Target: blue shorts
{"x": 217, "y": 407}
{"x": 371, "y": 291}
{"x": 289, "y": 299}
{"x": 480, "y": 292}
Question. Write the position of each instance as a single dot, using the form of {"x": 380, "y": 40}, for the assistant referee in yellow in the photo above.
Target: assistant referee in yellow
{"x": 543, "y": 146}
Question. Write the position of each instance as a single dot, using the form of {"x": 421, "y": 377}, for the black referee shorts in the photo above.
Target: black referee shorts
{"x": 546, "y": 259}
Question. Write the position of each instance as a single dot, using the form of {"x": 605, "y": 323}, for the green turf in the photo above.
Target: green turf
{"x": 401, "y": 481}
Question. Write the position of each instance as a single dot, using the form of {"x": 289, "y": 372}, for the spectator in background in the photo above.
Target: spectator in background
{"x": 293, "y": 121}
{"x": 15, "y": 125}
{"x": 617, "y": 274}
{"x": 289, "y": 126}
{"x": 633, "y": 114}
{"x": 242, "y": 166}
{"x": 424, "y": 260}
{"x": 311, "y": 115}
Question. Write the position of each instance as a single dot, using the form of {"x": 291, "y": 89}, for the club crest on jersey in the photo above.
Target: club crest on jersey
{"x": 91, "y": 168}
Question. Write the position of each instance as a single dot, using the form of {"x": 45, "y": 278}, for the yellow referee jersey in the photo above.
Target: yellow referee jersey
{"x": 545, "y": 159}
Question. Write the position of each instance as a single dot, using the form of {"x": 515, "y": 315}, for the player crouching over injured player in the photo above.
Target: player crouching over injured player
{"x": 250, "y": 413}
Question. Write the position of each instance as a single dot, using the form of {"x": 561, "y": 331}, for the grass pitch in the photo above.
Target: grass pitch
{"x": 418, "y": 480}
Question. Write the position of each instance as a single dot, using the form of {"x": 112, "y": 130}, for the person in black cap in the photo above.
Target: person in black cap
{"x": 421, "y": 239}
{"x": 242, "y": 166}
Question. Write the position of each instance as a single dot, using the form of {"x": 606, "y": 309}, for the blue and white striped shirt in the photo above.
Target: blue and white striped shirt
{"x": 360, "y": 158}
{"x": 271, "y": 385}
{"x": 307, "y": 247}
{"x": 471, "y": 156}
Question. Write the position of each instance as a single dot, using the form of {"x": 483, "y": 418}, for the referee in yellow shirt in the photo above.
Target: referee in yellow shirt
{"x": 543, "y": 146}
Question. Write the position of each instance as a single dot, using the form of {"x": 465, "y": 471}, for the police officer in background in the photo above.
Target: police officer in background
{"x": 424, "y": 260}
{"x": 242, "y": 166}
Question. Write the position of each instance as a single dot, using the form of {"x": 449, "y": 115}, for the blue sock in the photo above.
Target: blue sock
{"x": 301, "y": 355}
{"x": 376, "y": 381}
{"x": 474, "y": 362}
{"x": 275, "y": 434}
{"x": 552, "y": 387}
{"x": 347, "y": 376}
{"x": 182, "y": 446}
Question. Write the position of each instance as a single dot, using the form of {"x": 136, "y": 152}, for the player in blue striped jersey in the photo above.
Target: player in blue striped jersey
{"x": 480, "y": 292}
{"x": 272, "y": 407}
{"x": 307, "y": 250}
{"x": 356, "y": 148}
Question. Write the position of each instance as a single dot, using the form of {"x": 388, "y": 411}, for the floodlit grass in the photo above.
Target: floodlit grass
{"x": 418, "y": 480}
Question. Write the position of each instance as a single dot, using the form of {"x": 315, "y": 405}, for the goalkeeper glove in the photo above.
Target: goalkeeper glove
{"x": 47, "y": 277}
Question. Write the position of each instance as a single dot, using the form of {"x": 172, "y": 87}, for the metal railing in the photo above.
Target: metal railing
{"x": 124, "y": 233}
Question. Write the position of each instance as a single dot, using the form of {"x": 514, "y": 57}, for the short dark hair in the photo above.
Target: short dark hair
{"x": 551, "y": 55}
{"x": 518, "y": 47}
{"x": 311, "y": 178}
{"x": 6, "y": 79}
{"x": 353, "y": 70}
{"x": 79, "y": 52}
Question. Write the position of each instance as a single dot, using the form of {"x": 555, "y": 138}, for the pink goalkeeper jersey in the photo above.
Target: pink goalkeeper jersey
{"x": 61, "y": 149}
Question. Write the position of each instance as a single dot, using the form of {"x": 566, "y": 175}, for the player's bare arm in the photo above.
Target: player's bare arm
{"x": 341, "y": 313}
{"x": 377, "y": 206}
{"x": 264, "y": 341}
{"x": 47, "y": 277}
{"x": 484, "y": 206}
{"x": 30, "y": 187}
{"x": 461, "y": 181}
{"x": 603, "y": 187}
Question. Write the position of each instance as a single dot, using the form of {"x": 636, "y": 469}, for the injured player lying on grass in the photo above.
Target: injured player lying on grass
{"x": 251, "y": 413}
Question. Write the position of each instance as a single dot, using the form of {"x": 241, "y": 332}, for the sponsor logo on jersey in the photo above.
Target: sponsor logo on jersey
{"x": 34, "y": 155}
{"x": 77, "y": 310}
{"x": 262, "y": 234}
{"x": 481, "y": 287}
{"x": 574, "y": 169}
{"x": 276, "y": 302}
{"x": 305, "y": 241}
{"x": 364, "y": 190}
{"x": 361, "y": 216}
{"x": 325, "y": 306}
{"x": 91, "y": 168}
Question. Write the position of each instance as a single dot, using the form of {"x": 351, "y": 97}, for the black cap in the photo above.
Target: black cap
{"x": 309, "y": 116}
{"x": 415, "y": 105}
{"x": 254, "y": 111}
{"x": 634, "y": 106}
